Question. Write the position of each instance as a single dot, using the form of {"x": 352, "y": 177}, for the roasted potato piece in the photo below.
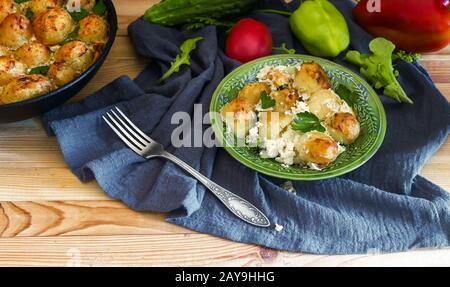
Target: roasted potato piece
{"x": 24, "y": 88}
{"x": 311, "y": 78}
{"x": 93, "y": 29}
{"x": 324, "y": 104}
{"x": 273, "y": 123}
{"x": 53, "y": 26}
{"x": 278, "y": 78}
{"x": 15, "y": 31}
{"x": 41, "y": 6}
{"x": 74, "y": 5}
{"x": 239, "y": 115}
{"x": 10, "y": 69}
{"x": 252, "y": 92}
{"x": 76, "y": 55}
{"x": 62, "y": 73}
{"x": 344, "y": 127}
{"x": 33, "y": 54}
{"x": 318, "y": 148}
{"x": 285, "y": 100}
{"x": 6, "y": 7}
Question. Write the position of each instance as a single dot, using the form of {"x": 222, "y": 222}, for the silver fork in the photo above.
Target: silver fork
{"x": 148, "y": 148}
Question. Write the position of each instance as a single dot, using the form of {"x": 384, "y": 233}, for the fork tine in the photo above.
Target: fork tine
{"x": 122, "y": 137}
{"x": 130, "y": 130}
{"x": 130, "y": 138}
{"x": 134, "y": 126}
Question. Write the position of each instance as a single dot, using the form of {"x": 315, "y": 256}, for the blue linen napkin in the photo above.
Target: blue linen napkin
{"x": 384, "y": 205}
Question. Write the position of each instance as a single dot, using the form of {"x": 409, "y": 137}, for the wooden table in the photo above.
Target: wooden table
{"x": 48, "y": 217}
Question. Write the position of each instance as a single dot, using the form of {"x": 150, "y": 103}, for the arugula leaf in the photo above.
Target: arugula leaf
{"x": 99, "y": 8}
{"x": 21, "y": 1}
{"x": 306, "y": 122}
{"x": 407, "y": 56}
{"x": 29, "y": 13}
{"x": 42, "y": 70}
{"x": 378, "y": 69}
{"x": 285, "y": 49}
{"x": 79, "y": 15}
{"x": 347, "y": 95}
{"x": 182, "y": 59}
{"x": 266, "y": 101}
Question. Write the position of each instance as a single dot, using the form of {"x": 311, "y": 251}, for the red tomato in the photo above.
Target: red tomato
{"x": 248, "y": 40}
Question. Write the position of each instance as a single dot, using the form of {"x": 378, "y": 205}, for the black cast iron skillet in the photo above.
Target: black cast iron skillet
{"x": 36, "y": 106}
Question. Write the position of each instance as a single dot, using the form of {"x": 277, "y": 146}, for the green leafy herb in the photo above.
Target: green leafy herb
{"x": 266, "y": 101}
{"x": 71, "y": 36}
{"x": 29, "y": 13}
{"x": 99, "y": 8}
{"x": 407, "y": 56}
{"x": 21, "y": 1}
{"x": 201, "y": 22}
{"x": 347, "y": 95}
{"x": 285, "y": 49}
{"x": 79, "y": 15}
{"x": 378, "y": 68}
{"x": 182, "y": 59}
{"x": 306, "y": 122}
{"x": 42, "y": 70}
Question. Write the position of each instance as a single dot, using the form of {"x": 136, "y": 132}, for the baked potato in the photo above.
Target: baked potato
{"x": 41, "y": 6}
{"x": 61, "y": 73}
{"x": 15, "y": 30}
{"x": 272, "y": 124}
{"x": 76, "y": 55}
{"x": 239, "y": 115}
{"x": 316, "y": 147}
{"x": 53, "y": 26}
{"x": 325, "y": 103}
{"x": 10, "y": 69}
{"x": 344, "y": 127}
{"x": 311, "y": 78}
{"x": 252, "y": 92}
{"x": 93, "y": 29}
{"x": 33, "y": 54}
{"x": 285, "y": 100}
{"x": 24, "y": 88}
{"x": 6, "y": 7}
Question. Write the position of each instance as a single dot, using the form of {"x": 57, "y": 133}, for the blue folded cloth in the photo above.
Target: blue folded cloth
{"x": 384, "y": 205}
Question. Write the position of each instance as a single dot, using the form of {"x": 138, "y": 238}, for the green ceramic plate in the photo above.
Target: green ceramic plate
{"x": 368, "y": 106}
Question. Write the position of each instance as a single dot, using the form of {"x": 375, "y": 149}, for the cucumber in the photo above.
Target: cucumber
{"x": 177, "y": 12}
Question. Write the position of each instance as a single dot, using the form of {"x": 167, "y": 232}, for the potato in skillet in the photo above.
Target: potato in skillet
{"x": 24, "y": 88}
{"x": 53, "y": 26}
{"x": 6, "y": 7}
{"x": 15, "y": 31}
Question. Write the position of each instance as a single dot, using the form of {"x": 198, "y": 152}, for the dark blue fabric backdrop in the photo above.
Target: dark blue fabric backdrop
{"x": 384, "y": 205}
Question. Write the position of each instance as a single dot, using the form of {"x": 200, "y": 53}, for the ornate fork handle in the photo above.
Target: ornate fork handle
{"x": 237, "y": 205}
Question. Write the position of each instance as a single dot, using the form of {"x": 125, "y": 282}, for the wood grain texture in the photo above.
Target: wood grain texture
{"x": 184, "y": 250}
{"x": 48, "y": 217}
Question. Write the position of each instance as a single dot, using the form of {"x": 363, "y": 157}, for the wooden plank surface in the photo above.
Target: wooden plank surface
{"x": 48, "y": 217}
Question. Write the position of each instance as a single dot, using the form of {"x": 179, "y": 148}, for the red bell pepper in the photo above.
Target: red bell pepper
{"x": 412, "y": 25}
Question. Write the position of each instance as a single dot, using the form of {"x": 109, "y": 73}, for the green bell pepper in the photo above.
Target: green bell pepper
{"x": 321, "y": 28}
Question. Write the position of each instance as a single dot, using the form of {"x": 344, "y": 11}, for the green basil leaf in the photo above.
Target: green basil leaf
{"x": 42, "y": 70}
{"x": 29, "y": 14}
{"x": 266, "y": 101}
{"x": 79, "y": 15}
{"x": 306, "y": 122}
{"x": 99, "y": 8}
{"x": 21, "y": 1}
